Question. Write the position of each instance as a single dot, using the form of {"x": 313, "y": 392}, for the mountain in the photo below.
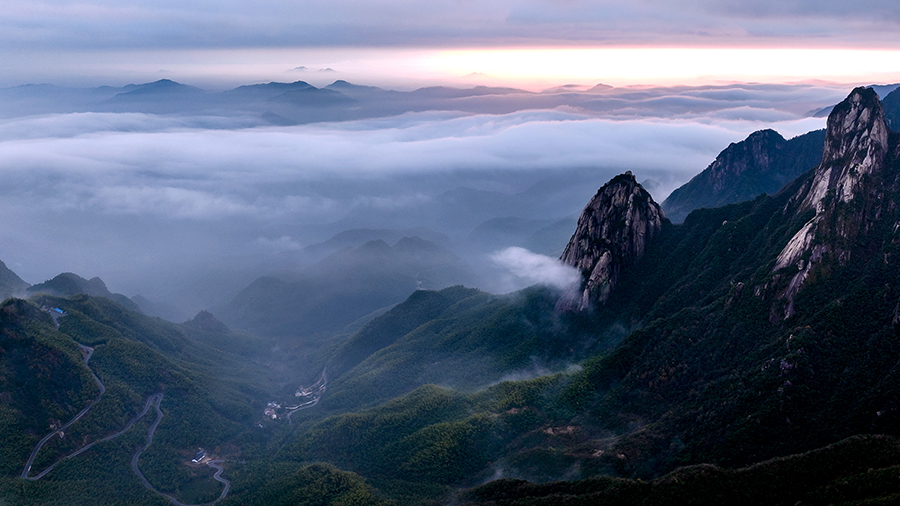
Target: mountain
{"x": 159, "y": 97}
{"x": 846, "y": 192}
{"x": 310, "y": 96}
{"x": 84, "y": 378}
{"x": 611, "y": 236}
{"x": 163, "y": 87}
{"x": 206, "y": 322}
{"x": 10, "y": 283}
{"x": 343, "y": 287}
{"x": 762, "y": 163}
{"x": 164, "y": 310}
{"x": 748, "y": 355}
{"x": 882, "y": 90}
{"x": 711, "y": 370}
{"x": 355, "y": 238}
{"x": 68, "y": 284}
{"x": 265, "y": 91}
{"x": 447, "y": 92}
{"x": 854, "y": 471}
{"x": 891, "y": 105}
{"x": 763, "y": 328}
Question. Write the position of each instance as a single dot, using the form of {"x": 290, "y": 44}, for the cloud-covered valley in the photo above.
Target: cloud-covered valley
{"x": 145, "y": 201}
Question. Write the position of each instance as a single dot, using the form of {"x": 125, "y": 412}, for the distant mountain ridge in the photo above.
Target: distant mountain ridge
{"x": 346, "y": 285}
{"x": 68, "y": 284}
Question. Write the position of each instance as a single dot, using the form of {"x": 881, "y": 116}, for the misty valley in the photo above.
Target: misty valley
{"x": 349, "y": 295}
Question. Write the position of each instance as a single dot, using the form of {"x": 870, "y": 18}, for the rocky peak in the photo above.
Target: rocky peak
{"x": 761, "y": 163}
{"x": 754, "y": 151}
{"x": 846, "y": 191}
{"x": 612, "y": 234}
{"x": 856, "y": 144}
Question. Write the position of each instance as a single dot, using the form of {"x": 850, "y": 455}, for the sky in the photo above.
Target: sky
{"x": 405, "y": 43}
{"x": 147, "y": 199}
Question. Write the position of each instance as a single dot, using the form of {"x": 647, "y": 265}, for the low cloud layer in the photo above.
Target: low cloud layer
{"x": 529, "y": 268}
{"x": 147, "y": 201}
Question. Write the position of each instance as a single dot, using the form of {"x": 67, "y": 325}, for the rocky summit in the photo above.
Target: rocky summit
{"x": 846, "y": 192}
{"x": 611, "y": 235}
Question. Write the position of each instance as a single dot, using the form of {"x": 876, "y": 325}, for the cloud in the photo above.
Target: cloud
{"x": 169, "y": 169}
{"x": 165, "y": 200}
{"x": 533, "y": 268}
{"x": 280, "y": 23}
{"x": 283, "y": 243}
{"x": 130, "y": 196}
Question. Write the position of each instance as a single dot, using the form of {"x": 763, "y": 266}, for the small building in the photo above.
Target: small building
{"x": 201, "y": 454}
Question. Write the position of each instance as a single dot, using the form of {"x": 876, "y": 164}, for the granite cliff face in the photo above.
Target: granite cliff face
{"x": 612, "y": 234}
{"x": 847, "y": 192}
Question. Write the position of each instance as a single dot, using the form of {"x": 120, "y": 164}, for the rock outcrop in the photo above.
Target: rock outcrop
{"x": 612, "y": 234}
{"x": 846, "y": 191}
{"x": 762, "y": 163}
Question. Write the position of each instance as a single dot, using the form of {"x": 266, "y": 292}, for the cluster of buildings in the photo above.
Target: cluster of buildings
{"x": 270, "y": 410}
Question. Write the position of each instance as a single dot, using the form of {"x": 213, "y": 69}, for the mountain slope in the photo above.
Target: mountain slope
{"x": 10, "y": 283}
{"x": 106, "y": 362}
{"x": 762, "y": 163}
{"x": 765, "y": 318}
{"x": 716, "y": 372}
{"x": 343, "y": 287}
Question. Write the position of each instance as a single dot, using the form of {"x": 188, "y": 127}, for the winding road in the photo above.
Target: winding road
{"x": 154, "y": 400}
{"x": 28, "y": 464}
{"x": 215, "y": 464}
{"x": 320, "y": 387}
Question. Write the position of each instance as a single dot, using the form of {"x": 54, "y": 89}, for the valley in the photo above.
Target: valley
{"x": 745, "y": 353}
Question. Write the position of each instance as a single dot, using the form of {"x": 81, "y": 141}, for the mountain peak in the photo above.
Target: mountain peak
{"x": 612, "y": 234}
{"x": 68, "y": 284}
{"x": 856, "y": 143}
{"x": 761, "y": 163}
{"x": 846, "y": 190}
{"x": 206, "y": 322}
